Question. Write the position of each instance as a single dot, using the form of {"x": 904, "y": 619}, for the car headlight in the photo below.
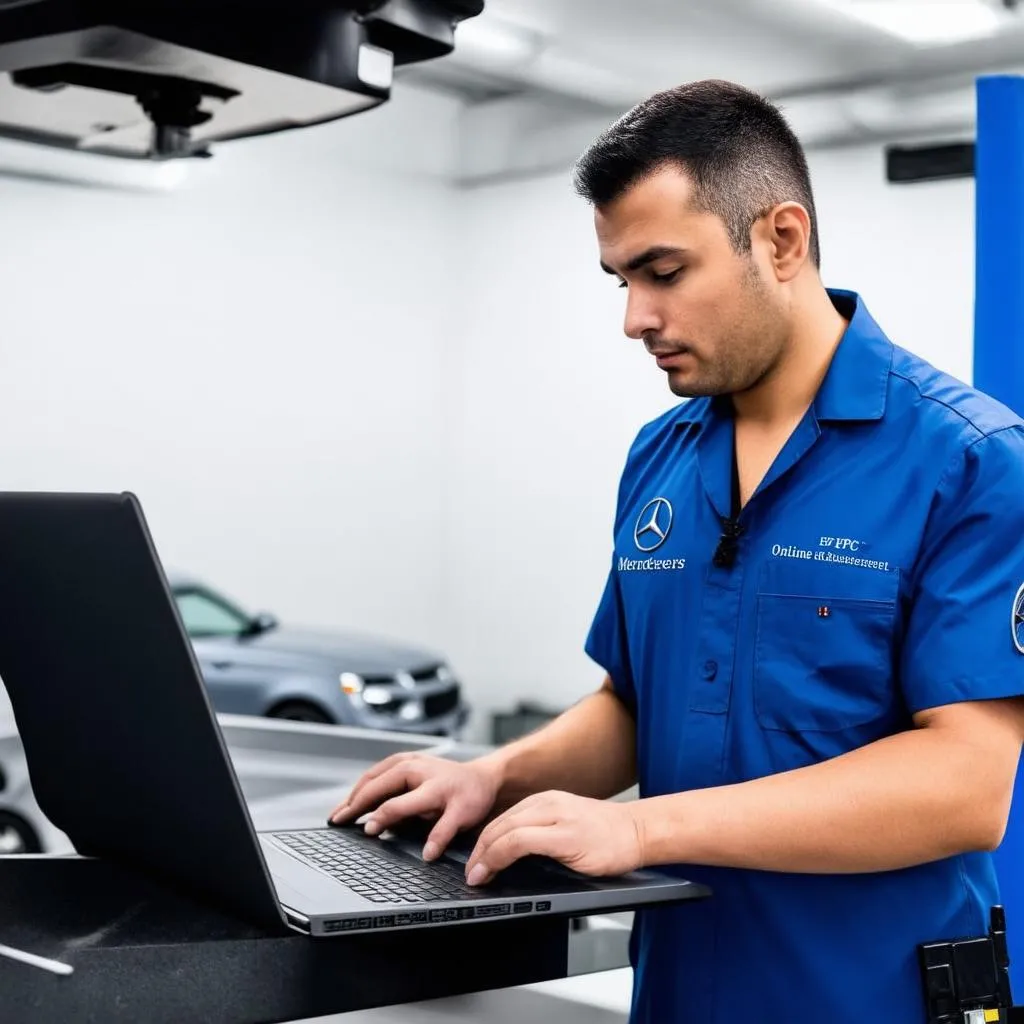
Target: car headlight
{"x": 376, "y": 696}
{"x": 351, "y": 683}
{"x": 445, "y": 674}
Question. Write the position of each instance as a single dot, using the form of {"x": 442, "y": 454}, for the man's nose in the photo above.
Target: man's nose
{"x": 642, "y": 316}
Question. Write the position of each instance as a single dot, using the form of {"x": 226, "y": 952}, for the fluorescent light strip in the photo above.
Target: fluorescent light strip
{"x": 491, "y": 42}
{"x": 926, "y": 22}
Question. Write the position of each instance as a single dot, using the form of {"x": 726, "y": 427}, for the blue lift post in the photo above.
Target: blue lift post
{"x": 999, "y": 368}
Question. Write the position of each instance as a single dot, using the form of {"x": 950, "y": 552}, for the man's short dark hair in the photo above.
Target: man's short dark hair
{"x": 736, "y": 147}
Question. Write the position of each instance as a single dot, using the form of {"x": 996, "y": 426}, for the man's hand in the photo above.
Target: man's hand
{"x": 404, "y": 786}
{"x": 593, "y": 837}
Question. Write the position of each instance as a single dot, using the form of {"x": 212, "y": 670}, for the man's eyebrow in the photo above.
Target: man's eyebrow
{"x": 656, "y": 252}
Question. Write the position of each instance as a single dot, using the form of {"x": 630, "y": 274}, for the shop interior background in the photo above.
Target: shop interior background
{"x": 369, "y": 376}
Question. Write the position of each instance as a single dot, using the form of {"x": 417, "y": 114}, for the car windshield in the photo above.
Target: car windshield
{"x": 205, "y": 615}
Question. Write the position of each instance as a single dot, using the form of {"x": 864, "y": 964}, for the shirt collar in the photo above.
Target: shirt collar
{"x": 857, "y": 381}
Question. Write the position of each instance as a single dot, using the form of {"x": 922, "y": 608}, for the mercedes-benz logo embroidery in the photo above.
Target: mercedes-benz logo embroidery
{"x": 653, "y": 525}
{"x": 1017, "y": 620}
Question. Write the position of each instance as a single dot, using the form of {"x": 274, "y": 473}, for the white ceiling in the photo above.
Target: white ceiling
{"x": 664, "y": 42}
{"x": 780, "y": 47}
{"x": 839, "y": 80}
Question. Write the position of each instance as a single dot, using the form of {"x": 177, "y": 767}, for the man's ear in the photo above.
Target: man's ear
{"x": 786, "y": 233}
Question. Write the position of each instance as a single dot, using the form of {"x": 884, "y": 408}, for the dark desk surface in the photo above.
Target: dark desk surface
{"x": 144, "y": 954}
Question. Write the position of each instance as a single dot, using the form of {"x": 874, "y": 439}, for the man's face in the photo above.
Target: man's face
{"x": 713, "y": 318}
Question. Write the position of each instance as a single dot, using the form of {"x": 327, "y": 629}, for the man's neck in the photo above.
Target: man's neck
{"x": 784, "y": 397}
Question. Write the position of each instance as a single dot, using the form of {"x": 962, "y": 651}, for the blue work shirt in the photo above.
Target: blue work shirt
{"x": 877, "y": 574}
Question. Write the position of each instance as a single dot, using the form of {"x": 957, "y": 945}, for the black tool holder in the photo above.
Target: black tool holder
{"x": 967, "y": 981}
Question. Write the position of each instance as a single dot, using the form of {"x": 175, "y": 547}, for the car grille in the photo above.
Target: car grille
{"x": 441, "y": 703}
{"x": 426, "y": 675}
{"x": 434, "y": 705}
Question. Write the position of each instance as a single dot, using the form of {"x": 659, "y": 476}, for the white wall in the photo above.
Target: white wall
{"x": 908, "y": 249}
{"x": 260, "y": 354}
{"x": 351, "y": 393}
{"x": 552, "y": 393}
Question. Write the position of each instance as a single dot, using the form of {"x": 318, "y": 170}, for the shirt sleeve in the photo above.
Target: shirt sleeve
{"x": 607, "y": 643}
{"x": 962, "y": 640}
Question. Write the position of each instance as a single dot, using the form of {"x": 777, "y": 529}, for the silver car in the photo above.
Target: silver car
{"x": 23, "y": 828}
{"x": 254, "y": 666}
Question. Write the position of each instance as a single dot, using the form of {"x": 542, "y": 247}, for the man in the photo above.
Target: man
{"x": 811, "y": 627}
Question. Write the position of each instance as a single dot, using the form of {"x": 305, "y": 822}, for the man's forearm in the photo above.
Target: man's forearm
{"x": 589, "y": 750}
{"x": 905, "y": 800}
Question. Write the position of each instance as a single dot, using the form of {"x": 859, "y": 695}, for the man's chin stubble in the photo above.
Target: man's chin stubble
{"x": 692, "y": 389}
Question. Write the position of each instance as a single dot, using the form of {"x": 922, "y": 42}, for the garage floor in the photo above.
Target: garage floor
{"x": 512, "y": 1006}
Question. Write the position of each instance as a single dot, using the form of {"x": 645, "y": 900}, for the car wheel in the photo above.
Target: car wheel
{"x": 300, "y": 711}
{"x": 17, "y": 835}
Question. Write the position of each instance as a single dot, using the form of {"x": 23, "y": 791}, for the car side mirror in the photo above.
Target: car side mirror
{"x": 262, "y": 623}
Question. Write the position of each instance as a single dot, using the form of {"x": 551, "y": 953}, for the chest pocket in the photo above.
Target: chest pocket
{"x": 824, "y": 650}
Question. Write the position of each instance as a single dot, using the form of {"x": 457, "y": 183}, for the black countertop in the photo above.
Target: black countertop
{"x": 141, "y": 952}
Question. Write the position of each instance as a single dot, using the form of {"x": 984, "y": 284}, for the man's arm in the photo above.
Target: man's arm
{"x": 941, "y": 789}
{"x": 589, "y": 750}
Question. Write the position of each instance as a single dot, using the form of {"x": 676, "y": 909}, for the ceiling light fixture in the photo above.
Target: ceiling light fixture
{"x": 495, "y": 45}
{"x": 928, "y": 22}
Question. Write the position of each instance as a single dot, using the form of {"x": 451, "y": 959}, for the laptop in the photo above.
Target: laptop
{"x": 126, "y": 756}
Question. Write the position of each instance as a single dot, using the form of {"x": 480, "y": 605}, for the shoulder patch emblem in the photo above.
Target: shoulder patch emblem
{"x": 1017, "y": 620}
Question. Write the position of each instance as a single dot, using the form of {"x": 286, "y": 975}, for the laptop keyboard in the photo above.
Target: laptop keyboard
{"x": 376, "y": 872}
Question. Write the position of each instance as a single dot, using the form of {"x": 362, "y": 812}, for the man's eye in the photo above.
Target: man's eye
{"x": 669, "y": 278}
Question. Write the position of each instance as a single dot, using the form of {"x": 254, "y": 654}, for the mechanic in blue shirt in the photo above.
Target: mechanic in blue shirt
{"x": 812, "y": 627}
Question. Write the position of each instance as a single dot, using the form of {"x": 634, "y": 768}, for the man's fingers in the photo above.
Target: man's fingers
{"x": 544, "y": 840}
{"x": 524, "y": 819}
{"x": 392, "y": 782}
{"x": 444, "y": 832}
{"x": 524, "y": 812}
{"x": 422, "y": 799}
{"x": 379, "y": 769}
{"x": 539, "y": 809}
